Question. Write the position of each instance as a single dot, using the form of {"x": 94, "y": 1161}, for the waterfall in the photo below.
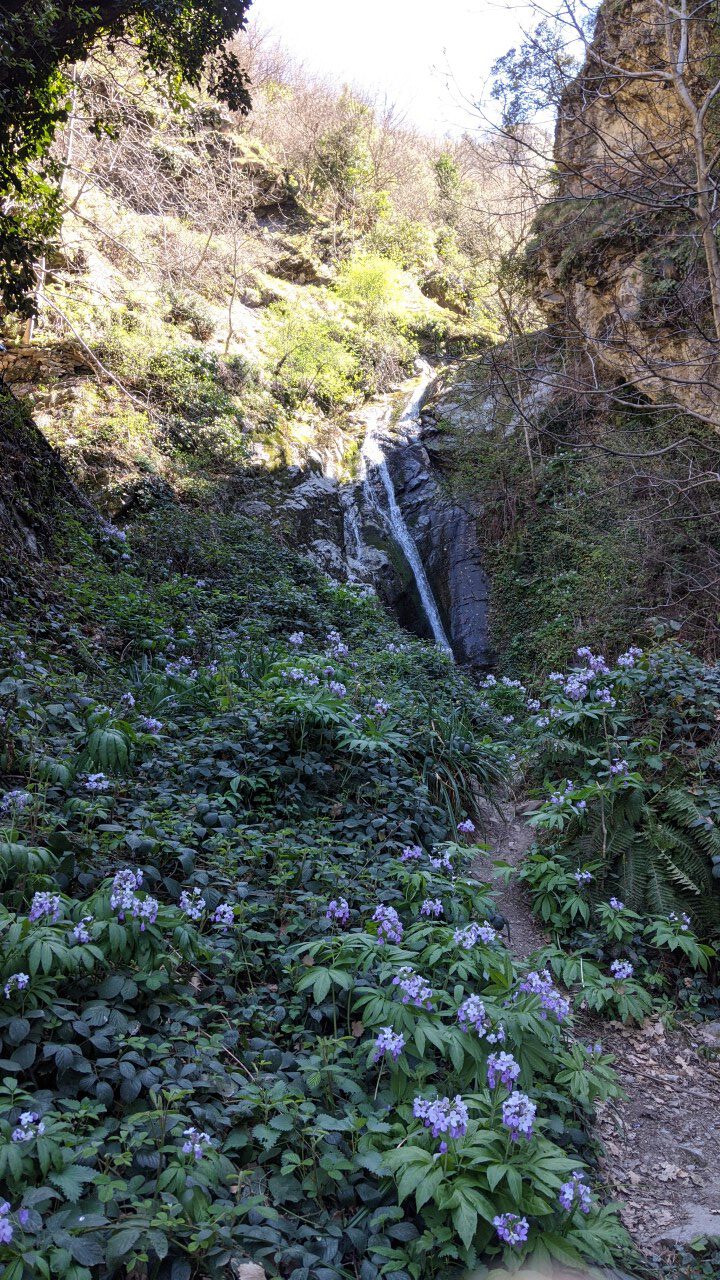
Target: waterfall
{"x": 375, "y": 465}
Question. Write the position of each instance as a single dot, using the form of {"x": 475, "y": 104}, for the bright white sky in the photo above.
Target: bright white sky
{"x": 431, "y": 57}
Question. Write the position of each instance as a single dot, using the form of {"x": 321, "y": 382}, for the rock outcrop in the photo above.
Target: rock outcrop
{"x": 617, "y": 256}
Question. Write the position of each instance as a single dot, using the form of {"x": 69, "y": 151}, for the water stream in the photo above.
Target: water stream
{"x": 375, "y": 468}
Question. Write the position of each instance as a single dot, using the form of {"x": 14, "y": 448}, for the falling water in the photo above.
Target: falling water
{"x": 376, "y": 465}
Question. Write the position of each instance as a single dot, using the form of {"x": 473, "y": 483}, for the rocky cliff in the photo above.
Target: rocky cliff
{"x": 617, "y": 257}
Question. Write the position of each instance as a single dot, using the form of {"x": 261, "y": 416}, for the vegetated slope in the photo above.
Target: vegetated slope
{"x": 234, "y": 287}
{"x": 239, "y": 942}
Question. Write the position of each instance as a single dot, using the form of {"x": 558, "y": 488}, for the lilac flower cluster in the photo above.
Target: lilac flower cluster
{"x": 150, "y": 724}
{"x": 336, "y": 645}
{"x": 388, "y": 1041}
{"x": 124, "y": 900}
{"x": 518, "y": 1114}
{"x": 511, "y": 1228}
{"x": 533, "y": 704}
{"x": 432, "y": 907}
{"x": 298, "y": 676}
{"x": 441, "y": 862}
{"x": 16, "y": 982}
{"x": 541, "y": 984}
{"x": 45, "y": 904}
{"x": 338, "y": 910}
{"x": 15, "y": 801}
{"x": 415, "y": 989}
{"x": 618, "y": 766}
{"x": 583, "y": 877}
{"x": 337, "y": 688}
{"x": 389, "y": 924}
{"x": 470, "y": 934}
{"x": 504, "y": 1066}
{"x": 629, "y": 658}
{"x": 411, "y": 853}
{"x": 192, "y": 904}
{"x": 473, "y": 1017}
{"x": 621, "y": 969}
{"x": 466, "y": 827}
{"x": 97, "y": 782}
{"x": 616, "y": 904}
{"x": 80, "y": 932}
{"x": 445, "y": 1118}
{"x": 6, "y": 1231}
{"x": 296, "y": 638}
{"x": 182, "y": 667}
{"x": 380, "y": 707}
{"x": 223, "y": 915}
{"x": 29, "y": 1126}
{"x": 683, "y": 920}
{"x": 127, "y": 701}
{"x": 576, "y": 1189}
{"x": 196, "y": 1142}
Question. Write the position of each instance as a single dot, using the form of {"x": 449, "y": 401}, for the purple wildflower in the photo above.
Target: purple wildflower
{"x": 575, "y": 1190}
{"x": 443, "y": 862}
{"x": 621, "y": 969}
{"x": 472, "y": 933}
{"x": 616, "y": 904}
{"x": 415, "y": 989}
{"x": 389, "y": 924}
{"x": 6, "y": 1231}
{"x": 16, "y": 982}
{"x": 338, "y": 910}
{"x": 45, "y": 904}
{"x": 29, "y": 1126}
{"x": 628, "y": 659}
{"x": 518, "y": 1113}
{"x": 388, "y": 1041}
{"x": 127, "y": 701}
{"x": 96, "y": 782}
{"x": 15, "y": 801}
{"x": 466, "y": 827}
{"x": 442, "y": 1116}
{"x": 196, "y": 1142}
{"x": 504, "y": 1066}
{"x": 432, "y": 907}
{"x": 296, "y": 638}
{"x": 683, "y": 920}
{"x": 150, "y": 725}
{"x": 337, "y": 688}
{"x": 80, "y": 932}
{"x": 583, "y": 877}
{"x": 411, "y": 853}
{"x": 223, "y": 915}
{"x": 472, "y": 1017}
{"x": 511, "y": 1228}
{"x": 380, "y": 707}
{"x": 541, "y": 984}
{"x": 619, "y": 766}
{"x": 192, "y": 904}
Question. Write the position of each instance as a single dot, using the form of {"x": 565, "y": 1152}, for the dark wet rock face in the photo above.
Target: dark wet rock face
{"x": 446, "y": 537}
{"x": 345, "y": 529}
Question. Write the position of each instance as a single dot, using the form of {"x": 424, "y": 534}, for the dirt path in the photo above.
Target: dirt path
{"x": 662, "y": 1139}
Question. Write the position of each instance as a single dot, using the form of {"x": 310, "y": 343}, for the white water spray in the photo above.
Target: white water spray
{"x": 375, "y": 464}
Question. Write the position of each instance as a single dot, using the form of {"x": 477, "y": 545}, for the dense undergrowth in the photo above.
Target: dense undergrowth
{"x": 623, "y": 759}
{"x": 205, "y": 745}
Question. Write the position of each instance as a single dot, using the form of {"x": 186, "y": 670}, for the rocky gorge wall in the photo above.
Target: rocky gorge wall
{"x": 617, "y": 259}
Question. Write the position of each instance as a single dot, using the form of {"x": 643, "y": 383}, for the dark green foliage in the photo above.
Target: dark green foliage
{"x": 625, "y": 763}
{"x": 38, "y": 44}
{"x": 274, "y": 795}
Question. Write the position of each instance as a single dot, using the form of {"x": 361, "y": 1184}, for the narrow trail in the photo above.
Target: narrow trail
{"x": 661, "y": 1141}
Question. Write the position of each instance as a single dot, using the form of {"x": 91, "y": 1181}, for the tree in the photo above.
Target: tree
{"x": 39, "y": 43}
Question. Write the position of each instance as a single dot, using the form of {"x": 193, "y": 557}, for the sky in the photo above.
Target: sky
{"x": 431, "y": 57}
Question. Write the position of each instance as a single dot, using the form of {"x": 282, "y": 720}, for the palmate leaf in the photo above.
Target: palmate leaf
{"x": 107, "y": 748}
